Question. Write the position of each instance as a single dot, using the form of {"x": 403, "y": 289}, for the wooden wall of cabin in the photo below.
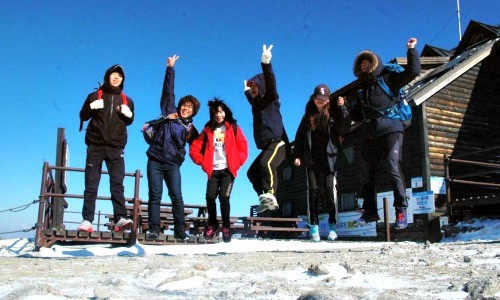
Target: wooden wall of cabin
{"x": 292, "y": 190}
{"x": 351, "y": 179}
{"x": 462, "y": 118}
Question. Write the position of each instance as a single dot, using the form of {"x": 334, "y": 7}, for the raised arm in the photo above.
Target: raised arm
{"x": 269, "y": 79}
{"x": 167, "y": 103}
{"x": 412, "y": 69}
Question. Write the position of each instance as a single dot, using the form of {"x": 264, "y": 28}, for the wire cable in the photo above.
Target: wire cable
{"x": 20, "y": 208}
{"x": 24, "y": 230}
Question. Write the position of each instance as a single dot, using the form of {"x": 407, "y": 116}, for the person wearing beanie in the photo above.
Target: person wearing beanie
{"x": 268, "y": 132}
{"x": 166, "y": 154}
{"x": 384, "y": 135}
{"x": 318, "y": 147}
{"x": 110, "y": 112}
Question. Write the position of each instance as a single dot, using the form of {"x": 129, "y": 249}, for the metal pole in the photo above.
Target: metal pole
{"x": 459, "y": 26}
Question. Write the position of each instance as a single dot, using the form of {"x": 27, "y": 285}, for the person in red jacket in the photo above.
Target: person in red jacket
{"x": 221, "y": 149}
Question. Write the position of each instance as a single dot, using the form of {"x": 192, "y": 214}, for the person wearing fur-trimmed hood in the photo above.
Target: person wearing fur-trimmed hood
{"x": 384, "y": 134}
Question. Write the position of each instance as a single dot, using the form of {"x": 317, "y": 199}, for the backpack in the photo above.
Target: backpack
{"x": 150, "y": 128}
{"x": 401, "y": 109}
{"x": 99, "y": 96}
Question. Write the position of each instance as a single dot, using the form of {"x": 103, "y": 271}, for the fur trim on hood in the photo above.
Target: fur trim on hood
{"x": 376, "y": 68}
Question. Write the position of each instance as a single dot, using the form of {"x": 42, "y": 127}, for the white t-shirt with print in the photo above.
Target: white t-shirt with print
{"x": 220, "y": 162}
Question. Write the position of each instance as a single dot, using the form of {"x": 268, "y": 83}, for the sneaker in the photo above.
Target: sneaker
{"x": 226, "y": 235}
{"x": 180, "y": 233}
{"x": 86, "y": 226}
{"x": 153, "y": 234}
{"x": 267, "y": 202}
{"x": 314, "y": 233}
{"x": 123, "y": 224}
{"x": 210, "y": 232}
{"x": 366, "y": 217}
{"x": 332, "y": 235}
{"x": 401, "y": 220}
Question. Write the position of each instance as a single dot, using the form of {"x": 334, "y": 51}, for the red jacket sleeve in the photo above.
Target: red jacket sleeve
{"x": 195, "y": 148}
{"x": 242, "y": 145}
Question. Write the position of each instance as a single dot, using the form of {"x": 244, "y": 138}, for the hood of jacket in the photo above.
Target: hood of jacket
{"x": 259, "y": 81}
{"x": 115, "y": 68}
{"x": 376, "y": 68}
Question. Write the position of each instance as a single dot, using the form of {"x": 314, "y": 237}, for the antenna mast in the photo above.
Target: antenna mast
{"x": 459, "y": 26}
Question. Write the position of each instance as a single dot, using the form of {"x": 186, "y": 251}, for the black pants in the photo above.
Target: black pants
{"x": 263, "y": 172}
{"x": 389, "y": 147}
{"x": 115, "y": 163}
{"x": 322, "y": 189}
{"x": 220, "y": 184}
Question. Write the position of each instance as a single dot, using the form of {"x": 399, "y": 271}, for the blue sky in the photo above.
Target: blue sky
{"x": 53, "y": 53}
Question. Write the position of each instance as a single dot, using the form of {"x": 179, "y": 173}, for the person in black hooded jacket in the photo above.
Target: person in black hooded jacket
{"x": 268, "y": 132}
{"x": 106, "y": 138}
{"x": 384, "y": 135}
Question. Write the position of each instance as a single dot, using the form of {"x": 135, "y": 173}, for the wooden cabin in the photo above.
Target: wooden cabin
{"x": 456, "y": 109}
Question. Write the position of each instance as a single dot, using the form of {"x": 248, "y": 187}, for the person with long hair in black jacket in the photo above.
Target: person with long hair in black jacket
{"x": 318, "y": 148}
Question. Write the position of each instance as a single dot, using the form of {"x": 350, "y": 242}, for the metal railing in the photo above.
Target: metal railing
{"x": 462, "y": 178}
{"x": 47, "y": 208}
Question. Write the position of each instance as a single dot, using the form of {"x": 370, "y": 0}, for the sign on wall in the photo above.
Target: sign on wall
{"x": 424, "y": 202}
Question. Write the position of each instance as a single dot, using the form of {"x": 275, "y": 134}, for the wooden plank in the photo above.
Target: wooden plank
{"x": 231, "y": 219}
{"x": 271, "y": 228}
{"x": 163, "y": 214}
{"x": 272, "y": 219}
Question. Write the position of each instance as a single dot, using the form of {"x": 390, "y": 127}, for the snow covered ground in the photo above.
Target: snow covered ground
{"x": 466, "y": 266}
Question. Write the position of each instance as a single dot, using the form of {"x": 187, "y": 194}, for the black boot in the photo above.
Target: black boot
{"x": 180, "y": 233}
{"x": 153, "y": 233}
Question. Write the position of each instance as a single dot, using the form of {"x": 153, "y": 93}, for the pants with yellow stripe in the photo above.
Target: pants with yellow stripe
{"x": 263, "y": 173}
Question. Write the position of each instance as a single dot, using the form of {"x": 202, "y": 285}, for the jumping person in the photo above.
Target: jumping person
{"x": 268, "y": 132}
{"x": 318, "y": 147}
{"x": 385, "y": 135}
{"x": 166, "y": 154}
{"x": 221, "y": 149}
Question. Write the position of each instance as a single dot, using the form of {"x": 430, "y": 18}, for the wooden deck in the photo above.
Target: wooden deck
{"x": 52, "y": 226}
{"x": 196, "y": 222}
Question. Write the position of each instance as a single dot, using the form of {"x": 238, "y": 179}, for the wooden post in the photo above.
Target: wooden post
{"x": 386, "y": 220}
{"x": 59, "y": 184}
{"x": 39, "y": 233}
{"x": 137, "y": 206}
{"x": 449, "y": 209}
